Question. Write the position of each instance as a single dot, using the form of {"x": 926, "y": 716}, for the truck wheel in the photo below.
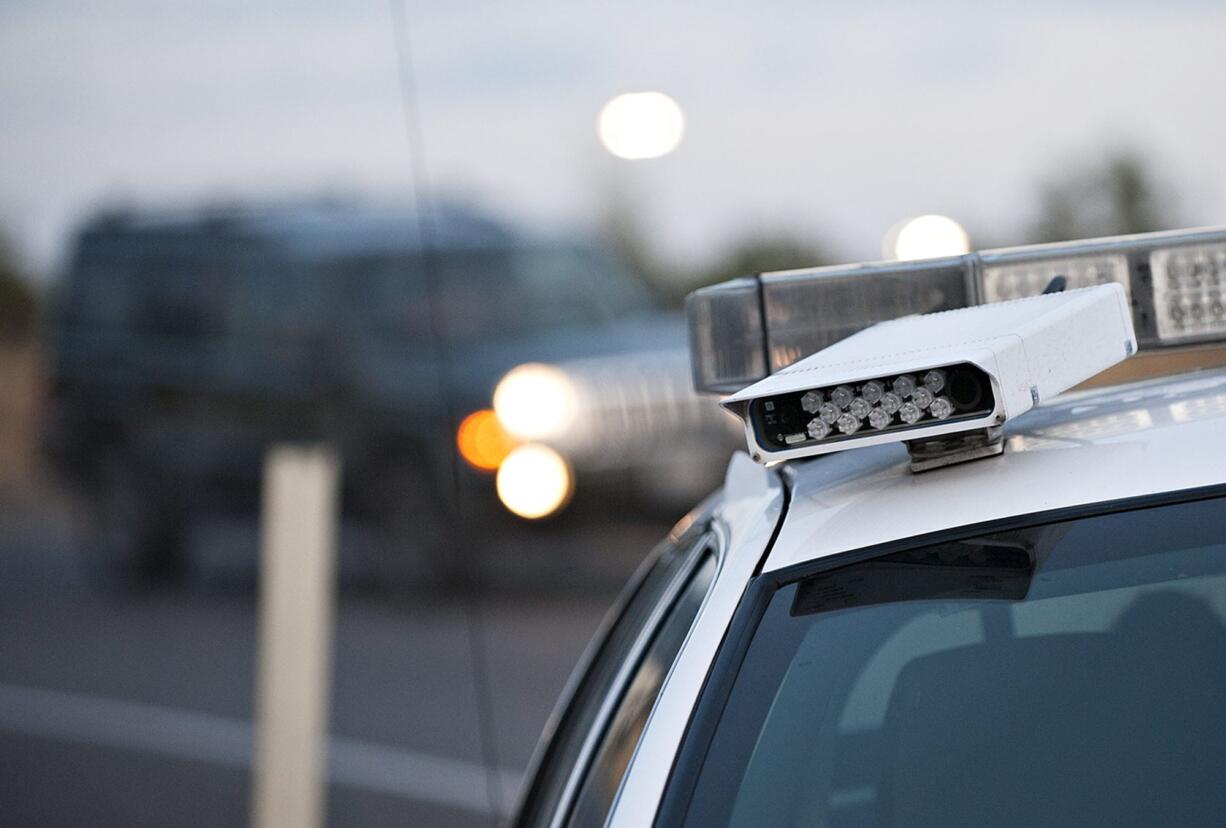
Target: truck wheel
{"x": 414, "y": 547}
{"x": 130, "y": 539}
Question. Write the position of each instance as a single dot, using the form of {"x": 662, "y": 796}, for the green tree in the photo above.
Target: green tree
{"x": 1116, "y": 195}
{"x": 625, "y": 230}
{"x": 763, "y": 253}
{"x": 18, "y": 300}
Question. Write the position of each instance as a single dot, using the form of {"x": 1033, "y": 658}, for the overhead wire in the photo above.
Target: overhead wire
{"x": 422, "y": 196}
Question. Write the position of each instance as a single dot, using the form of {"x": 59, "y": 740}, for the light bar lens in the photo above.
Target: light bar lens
{"x": 785, "y": 422}
{"x": 743, "y": 330}
{"x": 1017, "y": 280}
{"x": 806, "y": 310}
{"x": 1189, "y": 291}
{"x": 727, "y": 342}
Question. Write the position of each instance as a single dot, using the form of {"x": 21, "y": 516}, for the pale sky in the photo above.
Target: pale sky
{"x": 828, "y": 120}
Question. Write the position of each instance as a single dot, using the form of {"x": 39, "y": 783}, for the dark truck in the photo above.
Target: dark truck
{"x": 185, "y": 344}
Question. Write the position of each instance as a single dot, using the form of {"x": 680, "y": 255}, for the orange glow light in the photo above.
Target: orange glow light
{"x": 482, "y": 441}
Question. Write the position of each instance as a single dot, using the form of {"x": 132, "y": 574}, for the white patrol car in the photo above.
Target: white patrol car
{"x": 863, "y": 628}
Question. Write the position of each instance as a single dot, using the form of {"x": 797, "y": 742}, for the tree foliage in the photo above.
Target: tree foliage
{"x": 1116, "y": 194}
{"x": 763, "y": 254}
{"x": 18, "y": 300}
{"x": 748, "y": 255}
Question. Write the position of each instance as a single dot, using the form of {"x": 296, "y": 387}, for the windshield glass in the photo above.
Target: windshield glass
{"x": 1072, "y": 673}
{"x": 202, "y": 288}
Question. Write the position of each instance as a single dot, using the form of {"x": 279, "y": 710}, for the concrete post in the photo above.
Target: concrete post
{"x": 298, "y": 538}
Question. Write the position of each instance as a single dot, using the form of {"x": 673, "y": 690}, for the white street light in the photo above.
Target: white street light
{"x": 926, "y": 237}
{"x": 639, "y": 125}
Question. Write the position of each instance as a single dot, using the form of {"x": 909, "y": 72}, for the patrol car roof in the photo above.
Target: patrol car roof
{"x": 1084, "y": 447}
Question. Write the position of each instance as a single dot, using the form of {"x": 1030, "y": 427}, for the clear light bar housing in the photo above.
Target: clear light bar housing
{"x": 1190, "y": 292}
{"x": 744, "y": 330}
{"x": 1002, "y": 282}
{"x": 726, "y": 334}
{"x": 806, "y": 310}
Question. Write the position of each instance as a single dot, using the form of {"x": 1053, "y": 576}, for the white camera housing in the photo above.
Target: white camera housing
{"x": 1013, "y": 354}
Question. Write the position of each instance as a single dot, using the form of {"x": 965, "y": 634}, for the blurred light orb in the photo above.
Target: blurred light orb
{"x": 534, "y": 481}
{"x": 640, "y": 125}
{"x": 534, "y": 401}
{"x": 926, "y": 237}
{"x": 482, "y": 441}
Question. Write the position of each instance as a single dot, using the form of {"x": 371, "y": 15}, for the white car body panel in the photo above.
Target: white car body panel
{"x": 747, "y": 517}
{"x": 1083, "y": 448}
{"x": 1090, "y": 447}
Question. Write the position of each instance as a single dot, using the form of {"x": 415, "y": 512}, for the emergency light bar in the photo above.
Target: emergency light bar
{"x": 746, "y": 329}
{"x": 943, "y": 382}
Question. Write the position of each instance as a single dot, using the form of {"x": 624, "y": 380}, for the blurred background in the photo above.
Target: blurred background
{"x": 453, "y": 241}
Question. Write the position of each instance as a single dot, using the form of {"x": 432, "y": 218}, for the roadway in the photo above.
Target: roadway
{"x": 135, "y": 709}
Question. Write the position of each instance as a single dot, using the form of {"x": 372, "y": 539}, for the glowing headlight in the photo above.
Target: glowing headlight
{"x": 535, "y": 402}
{"x": 534, "y": 481}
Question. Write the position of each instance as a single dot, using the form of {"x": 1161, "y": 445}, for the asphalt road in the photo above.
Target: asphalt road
{"x": 133, "y": 710}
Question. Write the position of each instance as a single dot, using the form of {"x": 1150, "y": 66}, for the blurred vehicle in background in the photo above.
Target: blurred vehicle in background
{"x": 630, "y": 416}
{"x": 183, "y": 344}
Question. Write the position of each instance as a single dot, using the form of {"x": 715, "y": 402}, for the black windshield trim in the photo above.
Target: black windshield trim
{"x": 717, "y": 687}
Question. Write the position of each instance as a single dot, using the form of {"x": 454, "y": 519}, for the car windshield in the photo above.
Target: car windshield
{"x": 204, "y": 288}
{"x": 1071, "y": 673}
